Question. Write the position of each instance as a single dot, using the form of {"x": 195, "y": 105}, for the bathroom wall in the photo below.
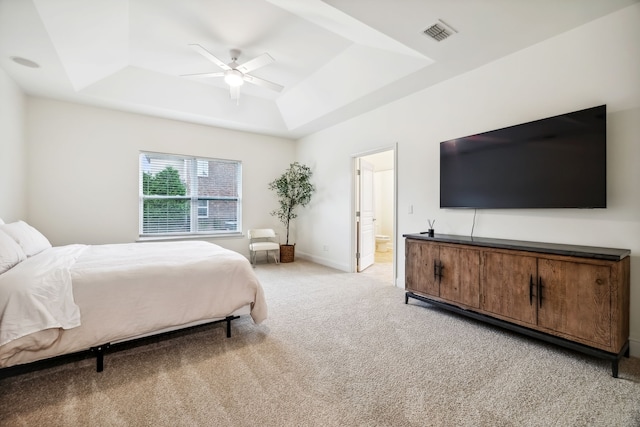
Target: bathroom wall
{"x": 383, "y": 193}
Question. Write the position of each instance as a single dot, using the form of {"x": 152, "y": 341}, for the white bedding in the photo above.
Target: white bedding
{"x": 120, "y": 291}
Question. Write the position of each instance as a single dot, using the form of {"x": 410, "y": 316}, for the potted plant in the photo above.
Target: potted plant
{"x": 293, "y": 188}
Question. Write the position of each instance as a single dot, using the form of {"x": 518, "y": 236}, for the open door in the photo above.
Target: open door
{"x": 366, "y": 229}
{"x": 374, "y": 213}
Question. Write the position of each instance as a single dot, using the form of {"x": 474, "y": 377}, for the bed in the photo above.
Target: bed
{"x": 62, "y": 300}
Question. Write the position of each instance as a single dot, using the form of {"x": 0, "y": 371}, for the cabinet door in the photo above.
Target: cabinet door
{"x": 419, "y": 262}
{"x": 460, "y": 275}
{"x": 506, "y": 287}
{"x": 576, "y": 299}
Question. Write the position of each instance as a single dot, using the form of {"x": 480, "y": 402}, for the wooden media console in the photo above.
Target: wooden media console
{"x": 573, "y": 296}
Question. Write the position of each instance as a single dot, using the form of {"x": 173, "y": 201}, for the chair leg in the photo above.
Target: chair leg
{"x": 253, "y": 256}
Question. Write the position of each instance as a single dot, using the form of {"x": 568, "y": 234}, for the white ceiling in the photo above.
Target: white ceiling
{"x": 336, "y": 59}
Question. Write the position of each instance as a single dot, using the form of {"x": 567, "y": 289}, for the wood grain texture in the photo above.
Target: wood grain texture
{"x": 419, "y": 267}
{"x": 620, "y": 301}
{"x": 506, "y": 285}
{"x": 585, "y": 300}
{"x": 576, "y": 300}
{"x": 460, "y": 275}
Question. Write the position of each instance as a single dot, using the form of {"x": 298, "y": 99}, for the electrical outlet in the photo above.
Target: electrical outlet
{"x": 410, "y": 209}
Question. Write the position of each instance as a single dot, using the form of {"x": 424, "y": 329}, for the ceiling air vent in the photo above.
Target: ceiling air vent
{"x": 439, "y": 31}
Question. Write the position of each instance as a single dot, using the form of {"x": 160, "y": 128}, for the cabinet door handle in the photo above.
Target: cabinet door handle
{"x": 531, "y": 289}
{"x": 435, "y": 270}
{"x": 440, "y": 273}
{"x": 540, "y": 291}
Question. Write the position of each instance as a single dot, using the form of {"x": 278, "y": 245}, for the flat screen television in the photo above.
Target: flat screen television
{"x": 557, "y": 162}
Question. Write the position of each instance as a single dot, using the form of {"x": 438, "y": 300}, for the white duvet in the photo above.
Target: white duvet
{"x": 71, "y": 298}
{"x": 37, "y": 294}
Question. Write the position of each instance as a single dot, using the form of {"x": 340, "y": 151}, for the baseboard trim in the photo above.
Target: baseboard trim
{"x": 634, "y": 348}
{"x": 322, "y": 261}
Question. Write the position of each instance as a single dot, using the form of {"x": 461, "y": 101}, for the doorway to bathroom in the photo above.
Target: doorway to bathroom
{"x": 375, "y": 214}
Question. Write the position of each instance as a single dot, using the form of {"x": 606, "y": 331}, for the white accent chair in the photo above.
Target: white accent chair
{"x": 263, "y": 239}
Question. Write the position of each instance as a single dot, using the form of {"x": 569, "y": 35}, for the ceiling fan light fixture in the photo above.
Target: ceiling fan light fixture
{"x": 235, "y": 74}
{"x": 233, "y": 78}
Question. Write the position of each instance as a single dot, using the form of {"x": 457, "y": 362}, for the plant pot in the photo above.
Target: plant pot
{"x": 287, "y": 253}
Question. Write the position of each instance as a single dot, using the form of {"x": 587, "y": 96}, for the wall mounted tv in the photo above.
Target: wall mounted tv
{"x": 557, "y": 162}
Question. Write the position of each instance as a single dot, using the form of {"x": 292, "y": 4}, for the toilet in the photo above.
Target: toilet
{"x": 382, "y": 242}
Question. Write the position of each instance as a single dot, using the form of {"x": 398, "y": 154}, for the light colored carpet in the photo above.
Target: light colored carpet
{"x": 337, "y": 350}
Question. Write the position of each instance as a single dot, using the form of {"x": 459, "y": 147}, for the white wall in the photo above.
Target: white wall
{"x": 383, "y": 196}
{"x": 13, "y": 202}
{"x": 83, "y": 169}
{"x": 598, "y": 63}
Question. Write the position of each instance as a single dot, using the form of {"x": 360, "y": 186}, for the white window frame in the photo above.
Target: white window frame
{"x": 196, "y": 170}
{"x": 205, "y": 207}
{"x": 203, "y": 167}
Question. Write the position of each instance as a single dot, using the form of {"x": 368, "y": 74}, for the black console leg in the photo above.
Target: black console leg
{"x": 614, "y": 368}
{"x": 406, "y": 298}
{"x": 626, "y": 353}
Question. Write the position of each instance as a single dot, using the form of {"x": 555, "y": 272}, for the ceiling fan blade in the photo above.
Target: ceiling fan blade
{"x": 218, "y": 74}
{"x": 255, "y": 63}
{"x": 204, "y": 52}
{"x": 262, "y": 82}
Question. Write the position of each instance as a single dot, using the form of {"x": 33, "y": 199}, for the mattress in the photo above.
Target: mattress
{"x": 120, "y": 291}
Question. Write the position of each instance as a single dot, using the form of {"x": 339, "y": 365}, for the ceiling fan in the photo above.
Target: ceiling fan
{"x": 236, "y": 74}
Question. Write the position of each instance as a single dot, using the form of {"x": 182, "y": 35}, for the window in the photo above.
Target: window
{"x": 203, "y": 167}
{"x": 187, "y": 195}
{"x": 203, "y": 208}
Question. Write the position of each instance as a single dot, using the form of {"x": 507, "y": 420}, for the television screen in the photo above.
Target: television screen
{"x": 557, "y": 162}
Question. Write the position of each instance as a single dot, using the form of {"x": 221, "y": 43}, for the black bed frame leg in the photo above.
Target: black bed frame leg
{"x": 99, "y": 352}
{"x": 228, "y": 319}
{"x": 100, "y": 362}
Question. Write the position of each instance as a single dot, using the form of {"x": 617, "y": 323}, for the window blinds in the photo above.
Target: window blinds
{"x": 188, "y": 195}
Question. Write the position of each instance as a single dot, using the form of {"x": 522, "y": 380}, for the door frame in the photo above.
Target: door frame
{"x": 354, "y": 195}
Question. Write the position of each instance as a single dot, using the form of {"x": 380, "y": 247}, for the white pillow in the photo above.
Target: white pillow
{"x": 32, "y": 241}
{"x": 10, "y": 252}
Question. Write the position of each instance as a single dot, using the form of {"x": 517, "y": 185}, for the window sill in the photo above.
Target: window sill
{"x": 190, "y": 237}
